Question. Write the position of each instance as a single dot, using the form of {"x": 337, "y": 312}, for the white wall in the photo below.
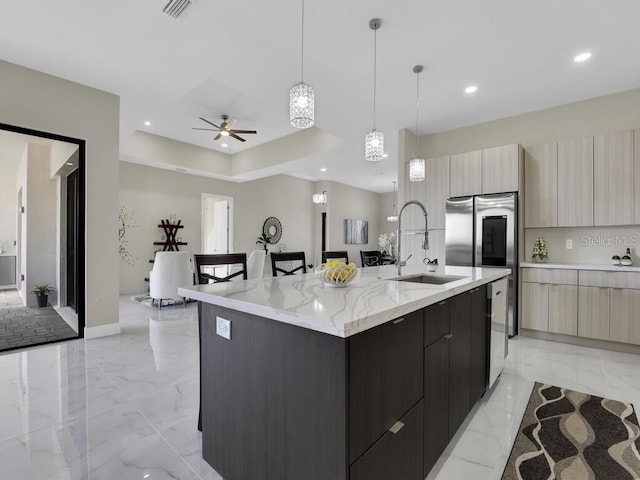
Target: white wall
{"x": 42, "y": 102}
{"x": 345, "y": 202}
{"x": 152, "y": 193}
{"x": 605, "y": 114}
{"x": 41, "y": 230}
{"x": 591, "y": 245}
{"x": 8, "y": 209}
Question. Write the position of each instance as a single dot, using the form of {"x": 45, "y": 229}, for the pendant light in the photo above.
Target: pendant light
{"x": 374, "y": 141}
{"x": 416, "y": 164}
{"x": 301, "y": 95}
{"x": 394, "y": 217}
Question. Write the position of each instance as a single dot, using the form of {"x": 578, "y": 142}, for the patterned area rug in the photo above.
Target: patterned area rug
{"x": 167, "y": 302}
{"x": 568, "y": 435}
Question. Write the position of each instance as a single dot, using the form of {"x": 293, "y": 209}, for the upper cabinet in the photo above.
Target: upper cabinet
{"x": 541, "y": 192}
{"x": 491, "y": 170}
{"x": 575, "y": 182}
{"x": 613, "y": 179}
{"x": 466, "y": 174}
{"x": 501, "y": 168}
{"x": 437, "y": 184}
{"x": 432, "y": 192}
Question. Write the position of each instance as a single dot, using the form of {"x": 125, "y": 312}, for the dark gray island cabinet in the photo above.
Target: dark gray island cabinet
{"x": 282, "y": 402}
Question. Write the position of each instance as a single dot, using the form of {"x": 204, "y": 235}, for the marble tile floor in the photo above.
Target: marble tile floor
{"x": 125, "y": 407}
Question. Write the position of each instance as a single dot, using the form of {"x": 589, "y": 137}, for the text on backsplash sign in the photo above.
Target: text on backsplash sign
{"x": 609, "y": 240}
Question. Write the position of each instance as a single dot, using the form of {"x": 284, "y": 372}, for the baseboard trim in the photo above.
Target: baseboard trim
{"x": 584, "y": 342}
{"x": 102, "y": 331}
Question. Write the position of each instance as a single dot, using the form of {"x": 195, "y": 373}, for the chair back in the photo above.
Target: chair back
{"x": 170, "y": 270}
{"x": 337, "y": 255}
{"x": 285, "y": 260}
{"x": 206, "y": 273}
{"x": 255, "y": 263}
{"x": 370, "y": 258}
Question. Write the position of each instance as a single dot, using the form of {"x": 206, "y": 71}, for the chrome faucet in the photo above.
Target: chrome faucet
{"x": 425, "y": 240}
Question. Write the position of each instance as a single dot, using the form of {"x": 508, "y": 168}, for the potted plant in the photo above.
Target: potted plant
{"x": 264, "y": 240}
{"x": 42, "y": 294}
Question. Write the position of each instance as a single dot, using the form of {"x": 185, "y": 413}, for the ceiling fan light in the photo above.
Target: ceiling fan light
{"x": 301, "y": 105}
{"x": 374, "y": 146}
{"x": 416, "y": 170}
{"x": 224, "y": 133}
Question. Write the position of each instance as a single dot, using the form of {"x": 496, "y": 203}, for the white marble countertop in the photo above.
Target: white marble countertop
{"x": 578, "y": 266}
{"x": 370, "y": 300}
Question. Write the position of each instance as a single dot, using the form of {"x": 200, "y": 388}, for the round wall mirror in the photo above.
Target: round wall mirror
{"x": 273, "y": 228}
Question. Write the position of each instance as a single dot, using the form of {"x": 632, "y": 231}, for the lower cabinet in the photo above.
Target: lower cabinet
{"x": 8, "y": 270}
{"x": 459, "y": 360}
{"x": 436, "y": 401}
{"x": 397, "y": 454}
{"x": 624, "y": 324}
{"x": 593, "y": 312}
{"x": 535, "y": 306}
{"x": 563, "y": 309}
{"x": 479, "y": 340}
{"x": 385, "y": 378}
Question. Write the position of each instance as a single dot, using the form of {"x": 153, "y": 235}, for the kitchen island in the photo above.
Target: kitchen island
{"x": 302, "y": 381}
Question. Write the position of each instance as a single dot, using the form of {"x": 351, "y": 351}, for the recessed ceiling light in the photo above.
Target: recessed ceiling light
{"x": 224, "y": 145}
{"x": 323, "y": 169}
{"x": 471, "y": 89}
{"x": 69, "y": 163}
{"x": 582, "y": 57}
{"x": 147, "y": 123}
{"x": 385, "y": 155}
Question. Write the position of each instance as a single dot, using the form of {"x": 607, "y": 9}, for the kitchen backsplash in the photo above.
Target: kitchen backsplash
{"x": 591, "y": 245}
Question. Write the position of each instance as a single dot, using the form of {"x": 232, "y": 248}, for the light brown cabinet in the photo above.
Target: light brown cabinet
{"x": 535, "y": 306}
{"x": 465, "y": 174}
{"x": 613, "y": 179}
{"x": 563, "y": 309}
{"x": 550, "y": 300}
{"x": 593, "y": 312}
{"x": 501, "y": 168}
{"x": 624, "y": 324}
{"x": 637, "y": 175}
{"x": 575, "y": 182}
{"x": 432, "y": 192}
{"x": 541, "y": 192}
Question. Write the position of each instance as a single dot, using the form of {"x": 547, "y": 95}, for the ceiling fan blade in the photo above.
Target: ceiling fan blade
{"x": 236, "y": 137}
{"x": 208, "y": 129}
{"x": 243, "y": 131}
{"x": 210, "y": 123}
{"x": 217, "y": 137}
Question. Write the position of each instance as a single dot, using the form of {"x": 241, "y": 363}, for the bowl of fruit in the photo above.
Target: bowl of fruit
{"x": 337, "y": 273}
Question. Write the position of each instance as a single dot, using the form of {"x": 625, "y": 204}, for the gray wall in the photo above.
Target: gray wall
{"x": 42, "y": 102}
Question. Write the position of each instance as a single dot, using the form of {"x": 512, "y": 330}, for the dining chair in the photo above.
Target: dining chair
{"x": 285, "y": 259}
{"x": 205, "y": 267}
{"x": 170, "y": 271}
{"x": 337, "y": 255}
{"x": 370, "y": 258}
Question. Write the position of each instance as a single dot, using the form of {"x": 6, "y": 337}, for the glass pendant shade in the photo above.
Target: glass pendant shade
{"x": 374, "y": 146}
{"x": 416, "y": 169}
{"x": 301, "y": 105}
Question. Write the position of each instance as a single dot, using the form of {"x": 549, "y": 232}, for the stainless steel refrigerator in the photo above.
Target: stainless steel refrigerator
{"x": 482, "y": 231}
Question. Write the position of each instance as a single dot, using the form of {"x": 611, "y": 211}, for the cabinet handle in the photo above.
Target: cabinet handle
{"x": 498, "y": 292}
{"x": 443, "y": 302}
{"x": 448, "y": 336}
{"x": 396, "y": 427}
{"x": 398, "y": 320}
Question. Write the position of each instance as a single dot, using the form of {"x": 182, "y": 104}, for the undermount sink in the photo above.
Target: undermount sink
{"x": 432, "y": 279}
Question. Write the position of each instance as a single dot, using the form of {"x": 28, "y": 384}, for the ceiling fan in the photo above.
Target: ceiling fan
{"x": 225, "y": 130}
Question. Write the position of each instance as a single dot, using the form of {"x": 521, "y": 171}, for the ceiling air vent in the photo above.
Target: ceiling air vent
{"x": 177, "y": 8}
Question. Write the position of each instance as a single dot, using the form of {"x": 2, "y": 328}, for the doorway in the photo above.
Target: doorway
{"x": 217, "y": 226}
{"x": 48, "y": 242}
